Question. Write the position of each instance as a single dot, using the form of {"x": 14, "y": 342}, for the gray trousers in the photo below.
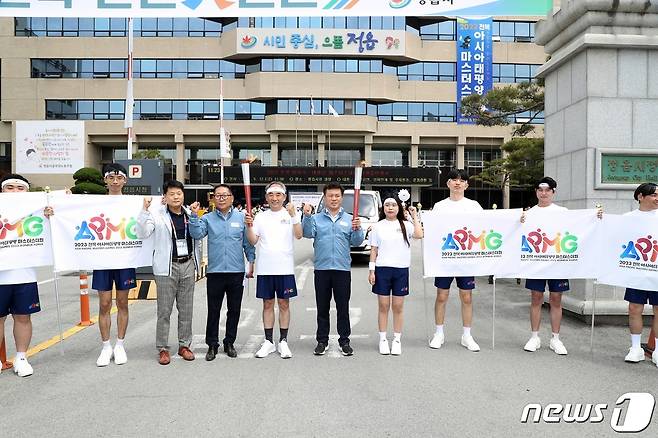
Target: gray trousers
{"x": 179, "y": 286}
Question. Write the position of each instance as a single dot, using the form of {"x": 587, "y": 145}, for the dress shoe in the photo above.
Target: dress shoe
{"x": 186, "y": 353}
{"x": 164, "y": 357}
{"x": 211, "y": 354}
{"x": 229, "y": 349}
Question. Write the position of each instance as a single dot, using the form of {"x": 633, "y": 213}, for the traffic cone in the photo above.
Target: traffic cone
{"x": 85, "y": 319}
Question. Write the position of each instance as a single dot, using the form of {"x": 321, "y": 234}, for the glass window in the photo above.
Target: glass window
{"x": 364, "y": 66}
{"x": 195, "y": 107}
{"x": 352, "y": 22}
{"x": 352, "y": 66}
{"x": 327, "y": 65}
{"x": 211, "y": 107}
{"x": 376, "y": 66}
{"x": 279, "y": 64}
{"x": 340, "y": 66}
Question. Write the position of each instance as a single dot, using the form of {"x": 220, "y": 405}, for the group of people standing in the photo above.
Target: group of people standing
{"x": 268, "y": 238}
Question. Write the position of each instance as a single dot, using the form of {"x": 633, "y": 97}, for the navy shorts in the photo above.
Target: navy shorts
{"x": 19, "y": 299}
{"x": 124, "y": 279}
{"x": 282, "y": 285}
{"x": 391, "y": 280}
{"x": 553, "y": 285}
{"x": 638, "y": 296}
{"x": 464, "y": 283}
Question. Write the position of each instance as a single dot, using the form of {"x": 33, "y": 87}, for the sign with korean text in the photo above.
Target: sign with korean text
{"x": 45, "y": 147}
{"x": 474, "y": 60}
{"x": 631, "y": 169}
{"x": 469, "y": 244}
{"x": 321, "y": 41}
{"x": 24, "y": 231}
{"x": 629, "y": 253}
{"x": 269, "y": 8}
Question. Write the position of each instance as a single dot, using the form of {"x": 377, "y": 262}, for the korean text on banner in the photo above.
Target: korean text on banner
{"x": 559, "y": 245}
{"x": 480, "y": 243}
{"x": 24, "y": 231}
{"x": 98, "y": 232}
{"x": 629, "y": 252}
{"x": 474, "y": 60}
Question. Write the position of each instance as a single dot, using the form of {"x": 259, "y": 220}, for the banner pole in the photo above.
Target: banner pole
{"x": 422, "y": 259}
{"x": 591, "y": 336}
{"x": 493, "y": 323}
{"x": 57, "y": 301}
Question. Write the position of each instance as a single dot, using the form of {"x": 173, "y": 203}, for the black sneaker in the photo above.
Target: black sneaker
{"x": 321, "y": 348}
{"x": 346, "y": 349}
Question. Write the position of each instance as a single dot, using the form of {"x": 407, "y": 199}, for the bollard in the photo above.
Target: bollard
{"x": 85, "y": 319}
{"x": 3, "y": 356}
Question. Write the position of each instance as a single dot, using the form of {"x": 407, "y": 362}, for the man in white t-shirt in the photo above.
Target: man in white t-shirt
{"x": 19, "y": 294}
{"x": 456, "y": 203}
{"x": 545, "y": 192}
{"x": 647, "y": 196}
{"x": 273, "y": 233}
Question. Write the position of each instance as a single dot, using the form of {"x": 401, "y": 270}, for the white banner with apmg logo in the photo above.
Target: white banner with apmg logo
{"x": 470, "y": 244}
{"x": 559, "y": 245}
{"x": 98, "y": 232}
{"x": 629, "y": 255}
{"x": 24, "y": 231}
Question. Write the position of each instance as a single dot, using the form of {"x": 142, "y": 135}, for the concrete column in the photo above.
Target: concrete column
{"x": 321, "y": 150}
{"x": 461, "y": 156}
{"x": 274, "y": 148}
{"x": 368, "y": 154}
{"x": 601, "y": 93}
{"x": 180, "y": 162}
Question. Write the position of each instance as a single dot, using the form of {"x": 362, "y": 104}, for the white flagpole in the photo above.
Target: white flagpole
{"x": 222, "y": 134}
{"x": 591, "y": 336}
{"x": 493, "y": 323}
{"x": 296, "y": 123}
{"x": 57, "y": 301}
{"x": 312, "y": 114}
{"x": 130, "y": 100}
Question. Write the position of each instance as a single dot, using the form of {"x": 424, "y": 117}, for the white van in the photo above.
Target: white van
{"x": 370, "y": 203}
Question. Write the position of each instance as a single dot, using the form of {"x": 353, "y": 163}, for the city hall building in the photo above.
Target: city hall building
{"x": 303, "y": 98}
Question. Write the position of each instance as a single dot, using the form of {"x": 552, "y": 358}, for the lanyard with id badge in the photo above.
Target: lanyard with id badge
{"x": 181, "y": 244}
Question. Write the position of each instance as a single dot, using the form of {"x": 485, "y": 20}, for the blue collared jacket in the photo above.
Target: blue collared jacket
{"x": 332, "y": 239}
{"x": 227, "y": 240}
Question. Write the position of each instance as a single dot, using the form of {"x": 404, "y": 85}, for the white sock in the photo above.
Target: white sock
{"x": 20, "y": 355}
{"x": 106, "y": 344}
{"x": 656, "y": 344}
{"x": 439, "y": 329}
{"x": 119, "y": 342}
{"x": 635, "y": 340}
{"x": 556, "y": 336}
{"x": 535, "y": 334}
{"x": 397, "y": 336}
{"x": 382, "y": 336}
{"x": 467, "y": 331}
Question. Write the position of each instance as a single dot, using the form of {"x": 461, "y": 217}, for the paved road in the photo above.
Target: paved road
{"x": 424, "y": 392}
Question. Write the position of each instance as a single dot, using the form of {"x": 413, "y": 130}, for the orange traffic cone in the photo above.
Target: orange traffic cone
{"x": 85, "y": 319}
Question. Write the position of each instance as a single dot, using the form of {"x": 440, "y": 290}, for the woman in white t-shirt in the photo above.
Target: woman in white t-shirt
{"x": 390, "y": 258}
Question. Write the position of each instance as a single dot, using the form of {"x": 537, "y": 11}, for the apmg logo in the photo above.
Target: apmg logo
{"x": 99, "y": 227}
{"x": 464, "y": 240}
{"x": 30, "y": 226}
{"x": 645, "y": 248}
{"x": 539, "y": 242}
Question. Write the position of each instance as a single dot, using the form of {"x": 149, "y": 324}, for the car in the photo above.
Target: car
{"x": 370, "y": 203}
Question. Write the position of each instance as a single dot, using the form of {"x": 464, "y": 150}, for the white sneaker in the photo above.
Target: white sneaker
{"x": 284, "y": 350}
{"x": 437, "y": 340}
{"x": 105, "y": 357}
{"x": 635, "y": 355}
{"x": 120, "y": 355}
{"x": 654, "y": 357}
{"x": 396, "y": 347}
{"x": 533, "y": 344}
{"x": 266, "y": 349}
{"x": 469, "y": 342}
{"x": 383, "y": 347}
{"x": 23, "y": 368}
{"x": 557, "y": 346}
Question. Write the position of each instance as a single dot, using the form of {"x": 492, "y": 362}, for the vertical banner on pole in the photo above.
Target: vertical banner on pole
{"x": 474, "y": 60}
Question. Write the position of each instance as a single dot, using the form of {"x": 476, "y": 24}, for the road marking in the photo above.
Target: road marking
{"x": 306, "y": 268}
{"x": 251, "y": 347}
{"x": 50, "y": 280}
{"x": 66, "y": 334}
{"x": 334, "y": 349}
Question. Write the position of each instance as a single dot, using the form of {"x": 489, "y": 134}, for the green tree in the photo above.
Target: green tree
{"x": 148, "y": 154}
{"x": 521, "y": 165}
{"x": 500, "y": 104}
{"x": 88, "y": 180}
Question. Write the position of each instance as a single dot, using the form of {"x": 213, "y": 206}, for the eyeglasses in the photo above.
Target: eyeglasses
{"x": 222, "y": 196}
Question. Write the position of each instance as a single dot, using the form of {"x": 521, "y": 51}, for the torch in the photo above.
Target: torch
{"x": 247, "y": 185}
{"x": 358, "y": 172}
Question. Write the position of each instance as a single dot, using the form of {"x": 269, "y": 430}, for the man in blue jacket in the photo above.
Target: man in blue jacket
{"x": 227, "y": 248}
{"x": 333, "y": 231}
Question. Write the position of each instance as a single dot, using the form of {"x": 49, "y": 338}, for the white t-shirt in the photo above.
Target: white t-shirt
{"x": 638, "y": 213}
{"x": 392, "y": 250}
{"x": 464, "y": 205}
{"x": 274, "y": 253}
{"x": 537, "y": 210}
{"x": 18, "y": 276}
